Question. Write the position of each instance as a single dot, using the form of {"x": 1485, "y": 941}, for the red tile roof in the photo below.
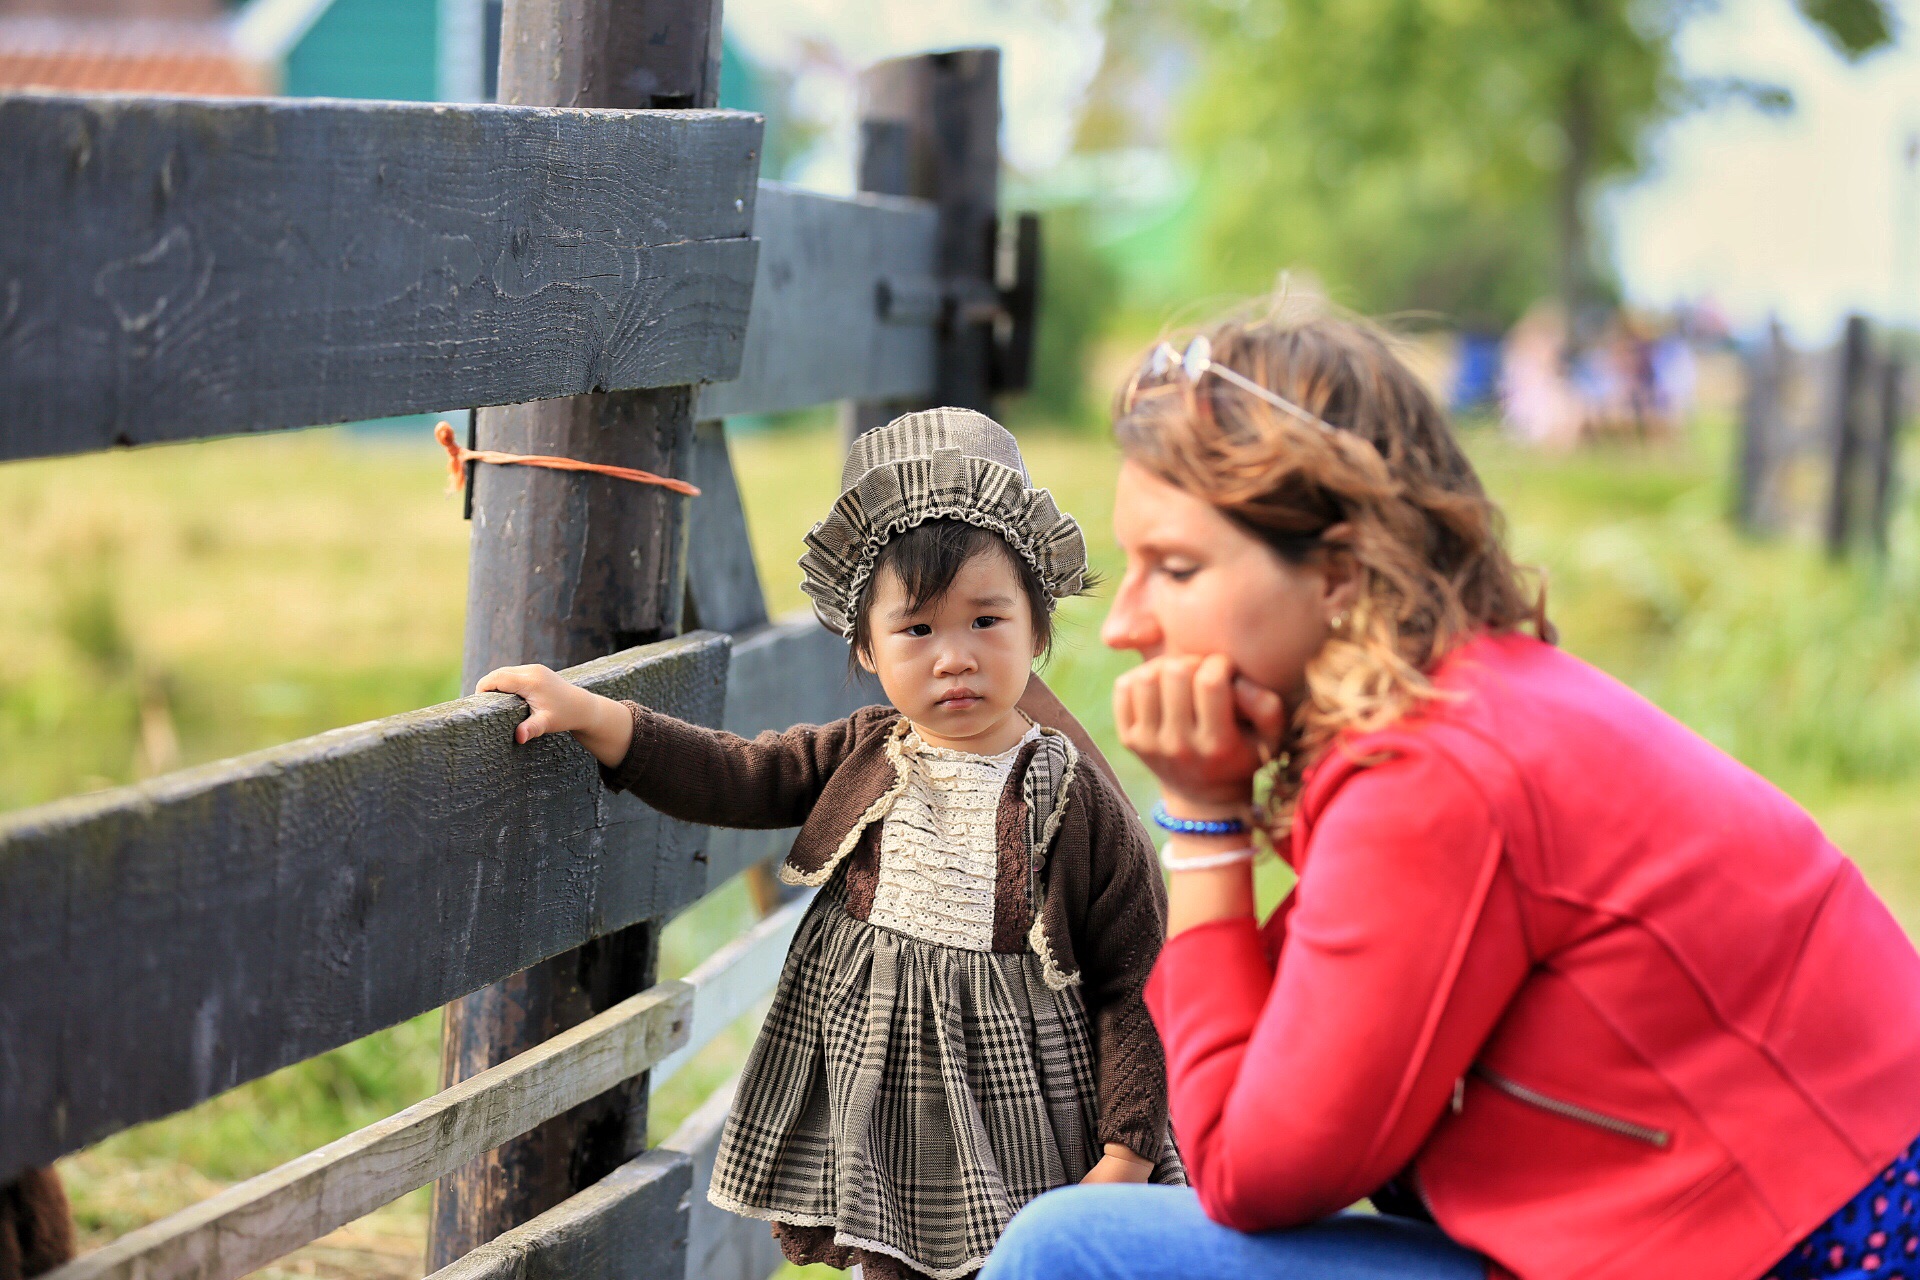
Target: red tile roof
{"x": 70, "y": 55}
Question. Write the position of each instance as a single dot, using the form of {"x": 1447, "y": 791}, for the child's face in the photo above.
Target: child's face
{"x": 958, "y": 665}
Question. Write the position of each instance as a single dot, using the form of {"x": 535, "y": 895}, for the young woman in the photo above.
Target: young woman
{"x": 1565, "y": 989}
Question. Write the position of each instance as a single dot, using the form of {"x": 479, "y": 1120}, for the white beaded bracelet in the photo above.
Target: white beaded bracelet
{"x": 1207, "y": 861}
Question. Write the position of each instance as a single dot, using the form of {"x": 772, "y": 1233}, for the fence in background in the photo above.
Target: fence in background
{"x": 1822, "y": 428}
{"x": 597, "y": 256}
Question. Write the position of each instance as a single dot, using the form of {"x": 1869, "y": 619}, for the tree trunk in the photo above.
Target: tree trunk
{"x": 1577, "y": 126}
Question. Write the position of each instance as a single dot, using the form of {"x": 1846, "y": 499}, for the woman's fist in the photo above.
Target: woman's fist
{"x": 1201, "y": 729}
{"x": 601, "y": 725}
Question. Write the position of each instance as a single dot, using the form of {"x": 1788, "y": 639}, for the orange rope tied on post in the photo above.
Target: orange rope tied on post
{"x": 458, "y": 456}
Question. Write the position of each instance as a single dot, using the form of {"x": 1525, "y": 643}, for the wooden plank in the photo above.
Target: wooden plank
{"x": 724, "y": 593}
{"x": 789, "y": 672}
{"x": 731, "y": 851}
{"x": 720, "y": 1245}
{"x": 930, "y": 128}
{"x": 1020, "y": 298}
{"x": 1883, "y": 463}
{"x": 565, "y": 566}
{"x": 728, "y": 983}
{"x": 167, "y": 941}
{"x": 178, "y": 268}
{"x": 723, "y": 583}
{"x": 819, "y": 331}
{"x": 630, "y": 1225}
{"x": 1847, "y": 437}
{"x": 264, "y": 1218}
{"x": 1762, "y": 434}
{"x": 611, "y": 53}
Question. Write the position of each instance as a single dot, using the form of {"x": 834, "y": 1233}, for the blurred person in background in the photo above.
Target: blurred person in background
{"x": 1561, "y": 987}
{"x": 1540, "y": 405}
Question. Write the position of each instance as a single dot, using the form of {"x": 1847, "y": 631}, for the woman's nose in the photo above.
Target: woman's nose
{"x": 1130, "y": 623}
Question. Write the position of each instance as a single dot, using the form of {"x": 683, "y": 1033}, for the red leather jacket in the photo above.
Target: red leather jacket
{"x": 1614, "y": 999}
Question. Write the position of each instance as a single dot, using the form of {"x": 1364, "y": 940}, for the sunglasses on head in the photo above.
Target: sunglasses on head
{"x": 1197, "y": 361}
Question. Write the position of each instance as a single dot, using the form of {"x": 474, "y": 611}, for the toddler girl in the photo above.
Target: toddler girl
{"x": 959, "y": 1026}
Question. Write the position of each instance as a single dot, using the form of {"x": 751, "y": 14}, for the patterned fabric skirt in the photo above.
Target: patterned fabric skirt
{"x": 910, "y": 1096}
{"x": 1874, "y": 1236}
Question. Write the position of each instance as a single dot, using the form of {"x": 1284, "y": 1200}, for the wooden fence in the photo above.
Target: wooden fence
{"x": 1822, "y": 430}
{"x": 597, "y": 256}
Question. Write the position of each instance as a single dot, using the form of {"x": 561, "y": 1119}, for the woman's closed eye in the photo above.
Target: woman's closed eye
{"x": 1178, "y": 570}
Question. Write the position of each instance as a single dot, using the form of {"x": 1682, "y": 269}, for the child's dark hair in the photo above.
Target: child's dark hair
{"x": 928, "y": 557}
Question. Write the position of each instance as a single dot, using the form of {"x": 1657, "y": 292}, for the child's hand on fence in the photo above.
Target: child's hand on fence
{"x": 601, "y": 725}
{"x": 1120, "y": 1165}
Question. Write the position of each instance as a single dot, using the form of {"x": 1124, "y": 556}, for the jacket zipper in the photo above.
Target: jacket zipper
{"x": 1570, "y": 1110}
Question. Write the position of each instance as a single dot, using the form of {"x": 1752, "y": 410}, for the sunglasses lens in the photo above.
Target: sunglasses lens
{"x": 1163, "y": 359}
{"x": 1199, "y": 358}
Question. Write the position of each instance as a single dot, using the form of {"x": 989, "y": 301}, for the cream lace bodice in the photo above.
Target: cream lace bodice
{"x": 939, "y": 850}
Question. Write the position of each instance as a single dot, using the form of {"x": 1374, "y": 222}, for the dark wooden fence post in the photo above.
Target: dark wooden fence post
{"x": 723, "y": 586}
{"x": 565, "y": 568}
{"x": 930, "y": 127}
{"x": 1848, "y": 438}
{"x": 1762, "y": 434}
{"x": 1886, "y": 447}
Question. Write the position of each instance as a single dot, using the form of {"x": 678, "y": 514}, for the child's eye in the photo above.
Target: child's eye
{"x": 984, "y": 621}
{"x": 920, "y": 629}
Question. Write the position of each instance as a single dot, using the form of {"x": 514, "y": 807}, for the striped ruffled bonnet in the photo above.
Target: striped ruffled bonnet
{"x": 940, "y": 464}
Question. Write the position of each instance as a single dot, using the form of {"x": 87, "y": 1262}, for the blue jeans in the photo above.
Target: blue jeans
{"x": 1128, "y": 1231}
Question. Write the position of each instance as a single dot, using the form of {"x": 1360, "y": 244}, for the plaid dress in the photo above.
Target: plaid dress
{"x": 909, "y": 1097}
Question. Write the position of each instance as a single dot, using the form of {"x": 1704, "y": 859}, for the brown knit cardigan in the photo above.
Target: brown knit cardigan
{"x": 1103, "y": 914}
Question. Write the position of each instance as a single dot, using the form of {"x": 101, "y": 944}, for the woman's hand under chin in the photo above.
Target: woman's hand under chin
{"x": 1201, "y": 728}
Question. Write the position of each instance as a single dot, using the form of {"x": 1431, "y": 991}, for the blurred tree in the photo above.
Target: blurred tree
{"x": 1435, "y": 154}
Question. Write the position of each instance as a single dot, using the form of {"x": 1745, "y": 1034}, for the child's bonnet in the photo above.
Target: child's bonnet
{"x": 942, "y": 464}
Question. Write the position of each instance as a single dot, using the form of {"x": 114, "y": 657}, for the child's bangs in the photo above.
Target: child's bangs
{"x": 926, "y": 560}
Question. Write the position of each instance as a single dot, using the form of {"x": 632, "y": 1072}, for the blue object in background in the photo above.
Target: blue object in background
{"x": 1476, "y": 376}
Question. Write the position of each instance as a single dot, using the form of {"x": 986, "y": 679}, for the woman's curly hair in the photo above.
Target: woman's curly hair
{"x": 1390, "y": 481}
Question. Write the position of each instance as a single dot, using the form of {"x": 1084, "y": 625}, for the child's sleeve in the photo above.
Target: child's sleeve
{"x": 1118, "y": 933}
{"x": 720, "y": 779}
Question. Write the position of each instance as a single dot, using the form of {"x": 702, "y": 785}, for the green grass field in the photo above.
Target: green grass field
{"x": 175, "y": 605}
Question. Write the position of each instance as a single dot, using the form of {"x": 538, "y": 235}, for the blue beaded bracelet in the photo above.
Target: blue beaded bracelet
{"x": 1196, "y": 826}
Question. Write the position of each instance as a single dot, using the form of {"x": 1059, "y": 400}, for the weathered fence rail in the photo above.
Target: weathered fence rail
{"x": 208, "y": 267}
{"x": 249, "y": 1225}
{"x": 173, "y": 269}
{"x": 170, "y": 940}
{"x": 847, "y": 302}
{"x": 1826, "y": 422}
{"x": 630, "y": 1223}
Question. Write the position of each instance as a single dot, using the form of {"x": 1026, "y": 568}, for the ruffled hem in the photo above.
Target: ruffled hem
{"x": 844, "y": 1238}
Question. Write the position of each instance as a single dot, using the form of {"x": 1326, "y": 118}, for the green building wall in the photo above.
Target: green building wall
{"x": 368, "y": 49}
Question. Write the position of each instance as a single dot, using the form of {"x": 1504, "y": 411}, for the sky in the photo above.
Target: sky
{"x": 1805, "y": 216}
{"x": 1050, "y": 50}
{"x": 1809, "y": 215}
